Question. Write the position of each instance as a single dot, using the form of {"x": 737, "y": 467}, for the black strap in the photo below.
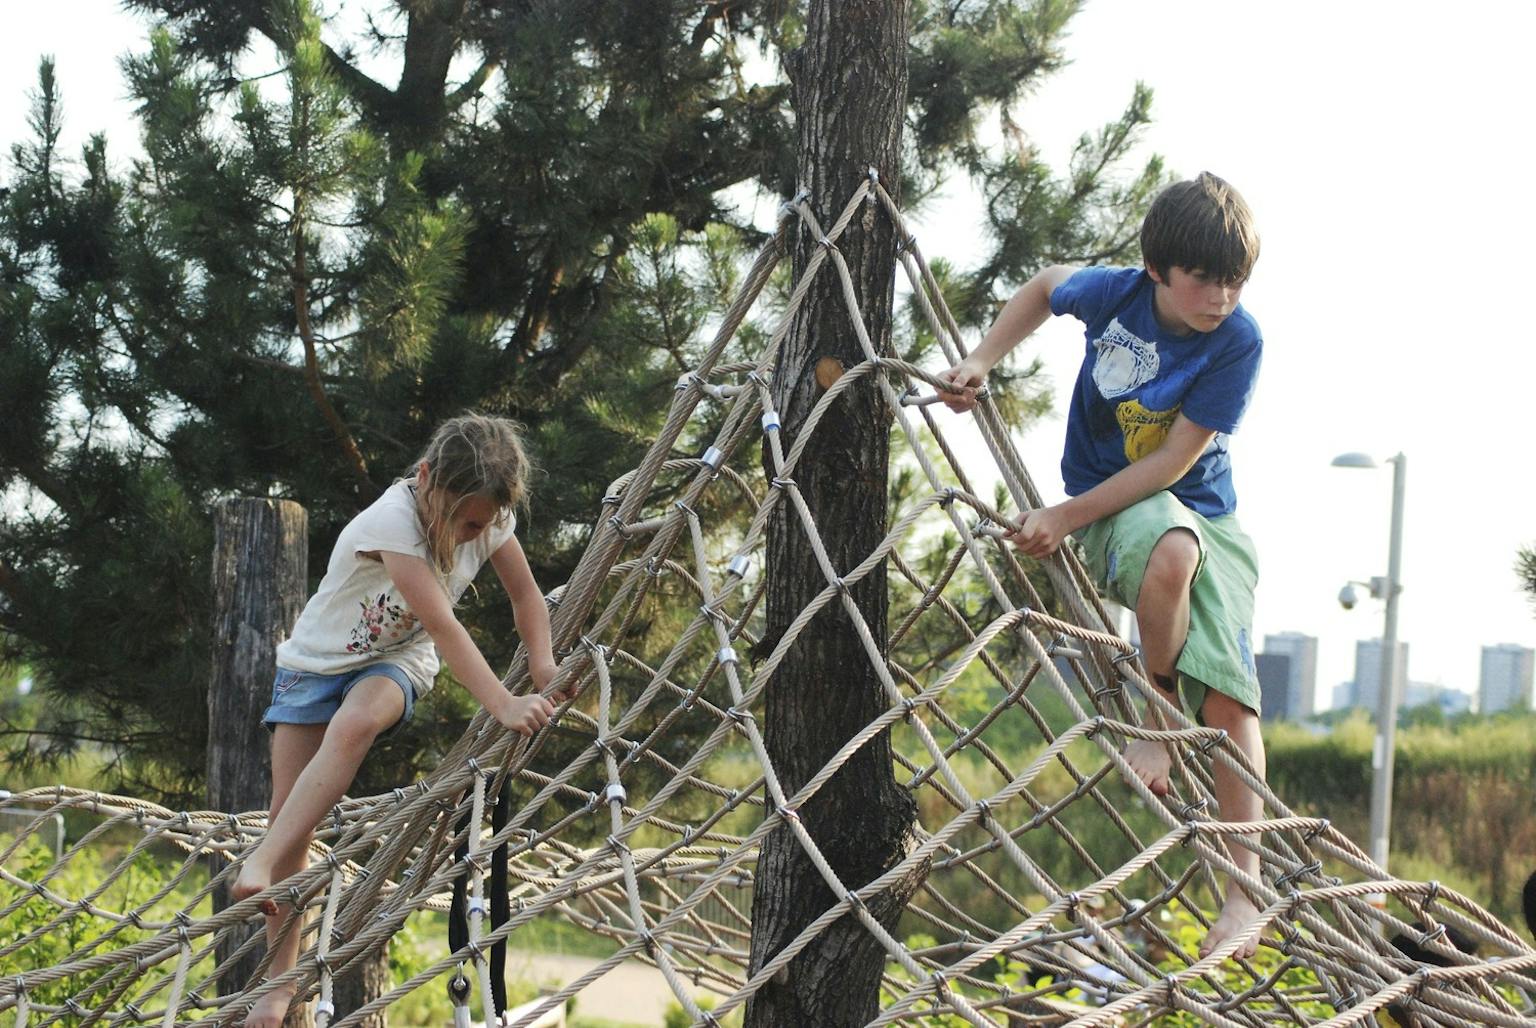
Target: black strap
{"x": 458, "y": 921}
{"x": 501, "y": 907}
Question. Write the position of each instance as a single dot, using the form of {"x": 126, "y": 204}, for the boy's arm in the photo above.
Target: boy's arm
{"x": 1026, "y": 311}
{"x": 1044, "y": 529}
{"x": 419, "y": 587}
{"x": 528, "y": 609}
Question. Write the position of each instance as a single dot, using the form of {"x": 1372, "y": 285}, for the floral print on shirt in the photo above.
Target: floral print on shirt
{"x": 383, "y": 622}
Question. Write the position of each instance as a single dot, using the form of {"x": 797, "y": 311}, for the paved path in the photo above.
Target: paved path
{"x": 631, "y": 994}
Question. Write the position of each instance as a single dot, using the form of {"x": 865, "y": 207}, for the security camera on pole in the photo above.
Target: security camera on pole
{"x": 1388, "y": 589}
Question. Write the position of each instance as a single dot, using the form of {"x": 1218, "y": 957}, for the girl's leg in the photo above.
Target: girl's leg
{"x": 293, "y": 746}
{"x": 1162, "y": 614}
{"x": 373, "y": 705}
{"x": 1238, "y": 803}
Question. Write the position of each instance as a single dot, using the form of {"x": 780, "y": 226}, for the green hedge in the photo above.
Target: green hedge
{"x": 1463, "y": 797}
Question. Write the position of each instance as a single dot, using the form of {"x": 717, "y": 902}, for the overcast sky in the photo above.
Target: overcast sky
{"x": 1381, "y": 146}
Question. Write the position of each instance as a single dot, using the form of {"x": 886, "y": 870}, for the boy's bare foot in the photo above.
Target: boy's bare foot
{"x": 271, "y": 1009}
{"x": 1237, "y": 914}
{"x": 1152, "y": 764}
{"x": 253, "y": 878}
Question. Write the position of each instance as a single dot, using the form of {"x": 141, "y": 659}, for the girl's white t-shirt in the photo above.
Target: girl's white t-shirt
{"x": 356, "y": 616}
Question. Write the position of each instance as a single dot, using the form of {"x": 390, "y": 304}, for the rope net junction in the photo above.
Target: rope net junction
{"x": 1056, "y": 884}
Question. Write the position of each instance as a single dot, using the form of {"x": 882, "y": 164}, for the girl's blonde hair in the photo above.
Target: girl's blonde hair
{"x": 470, "y": 455}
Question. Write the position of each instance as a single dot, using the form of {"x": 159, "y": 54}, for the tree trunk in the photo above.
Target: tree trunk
{"x": 432, "y": 38}
{"x": 361, "y": 984}
{"x": 260, "y": 580}
{"x": 849, "y": 84}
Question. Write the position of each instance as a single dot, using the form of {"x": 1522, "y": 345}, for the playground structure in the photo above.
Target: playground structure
{"x": 659, "y": 626}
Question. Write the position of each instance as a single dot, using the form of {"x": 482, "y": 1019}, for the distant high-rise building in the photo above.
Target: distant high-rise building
{"x": 1506, "y": 677}
{"x": 1368, "y": 672}
{"x": 1450, "y": 701}
{"x": 1301, "y": 694}
{"x": 1344, "y": 695}
{"x": 1274, "y": 685}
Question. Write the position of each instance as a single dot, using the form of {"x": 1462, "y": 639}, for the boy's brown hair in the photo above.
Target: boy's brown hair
{"x": 1200, "y": 225}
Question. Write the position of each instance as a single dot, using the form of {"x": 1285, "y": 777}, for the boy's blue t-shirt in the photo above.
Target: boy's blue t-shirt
{"x": 1136, "y": 378}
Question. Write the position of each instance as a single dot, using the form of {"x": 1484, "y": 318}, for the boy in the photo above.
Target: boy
{"x": 1170, "y": 367}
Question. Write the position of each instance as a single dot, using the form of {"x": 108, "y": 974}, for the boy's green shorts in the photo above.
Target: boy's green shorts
{"x": 1219, "y": 651}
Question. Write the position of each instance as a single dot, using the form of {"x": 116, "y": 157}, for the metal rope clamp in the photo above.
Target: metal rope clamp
{"x": 1214, "y": 741}
{"x": 1291, "y": 934}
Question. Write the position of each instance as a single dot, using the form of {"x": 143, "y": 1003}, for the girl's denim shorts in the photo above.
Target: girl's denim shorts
{"x": 306, "y": 698}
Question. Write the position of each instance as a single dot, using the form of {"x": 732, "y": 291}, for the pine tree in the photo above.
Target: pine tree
{"x": 306, "y": 272}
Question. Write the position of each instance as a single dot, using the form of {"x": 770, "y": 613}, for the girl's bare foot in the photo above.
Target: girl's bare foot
{"x": 271, "y": 1009}
{"x": 1152, "y": 764}
{"x": 253, "y": 878}
{"x": 1237, "y": 914}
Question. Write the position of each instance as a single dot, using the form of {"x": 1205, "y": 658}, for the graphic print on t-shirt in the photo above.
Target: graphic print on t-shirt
{"x": 382, "y": 622}
{"x": 1124, "y": 361}
{"x": 1143, "y": 430}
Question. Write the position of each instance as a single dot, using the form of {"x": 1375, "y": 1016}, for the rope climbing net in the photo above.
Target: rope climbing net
{"x": 1053, "y": 883}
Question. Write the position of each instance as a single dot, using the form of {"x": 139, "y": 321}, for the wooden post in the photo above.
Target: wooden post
{"x": 260, "y": 581}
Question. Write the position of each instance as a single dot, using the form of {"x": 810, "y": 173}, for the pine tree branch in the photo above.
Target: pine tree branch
{"x": 536, "y": 311}
{"x": 704, "y": 31}
{"x": 472, "y": 85}
{"x": 45, "y": 482}
{"x": 349, "y": 448}
{"x": 556, "y": 362}
{"x": 256, "y": 16}
{"x": 374, "y": 97}
{"x": 283, "y": 366}
{"x": 12, "y": 729}
{"x": 9, "y": 587}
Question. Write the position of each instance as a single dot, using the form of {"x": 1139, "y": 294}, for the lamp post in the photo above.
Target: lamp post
{"x": 1386, "y": 700}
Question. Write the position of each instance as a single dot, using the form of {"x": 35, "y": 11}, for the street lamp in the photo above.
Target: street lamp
{"x": 1386, "y": 698}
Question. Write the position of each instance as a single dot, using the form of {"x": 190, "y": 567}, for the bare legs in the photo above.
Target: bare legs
{"x": 312, "y": 766}
{"x": 293, "y": 747}
{"x": 1237, "y": 803}
{"x": 1162, "y": 612}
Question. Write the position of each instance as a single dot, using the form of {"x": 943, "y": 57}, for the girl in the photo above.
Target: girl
{"x": 366, "y": 646}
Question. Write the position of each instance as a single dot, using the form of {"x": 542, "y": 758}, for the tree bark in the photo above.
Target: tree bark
{"x": 361, "y": 984}
{"x": 260, "y": 580}
{"x": 432, "y": 38}
{"x": 849, "y": 82}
